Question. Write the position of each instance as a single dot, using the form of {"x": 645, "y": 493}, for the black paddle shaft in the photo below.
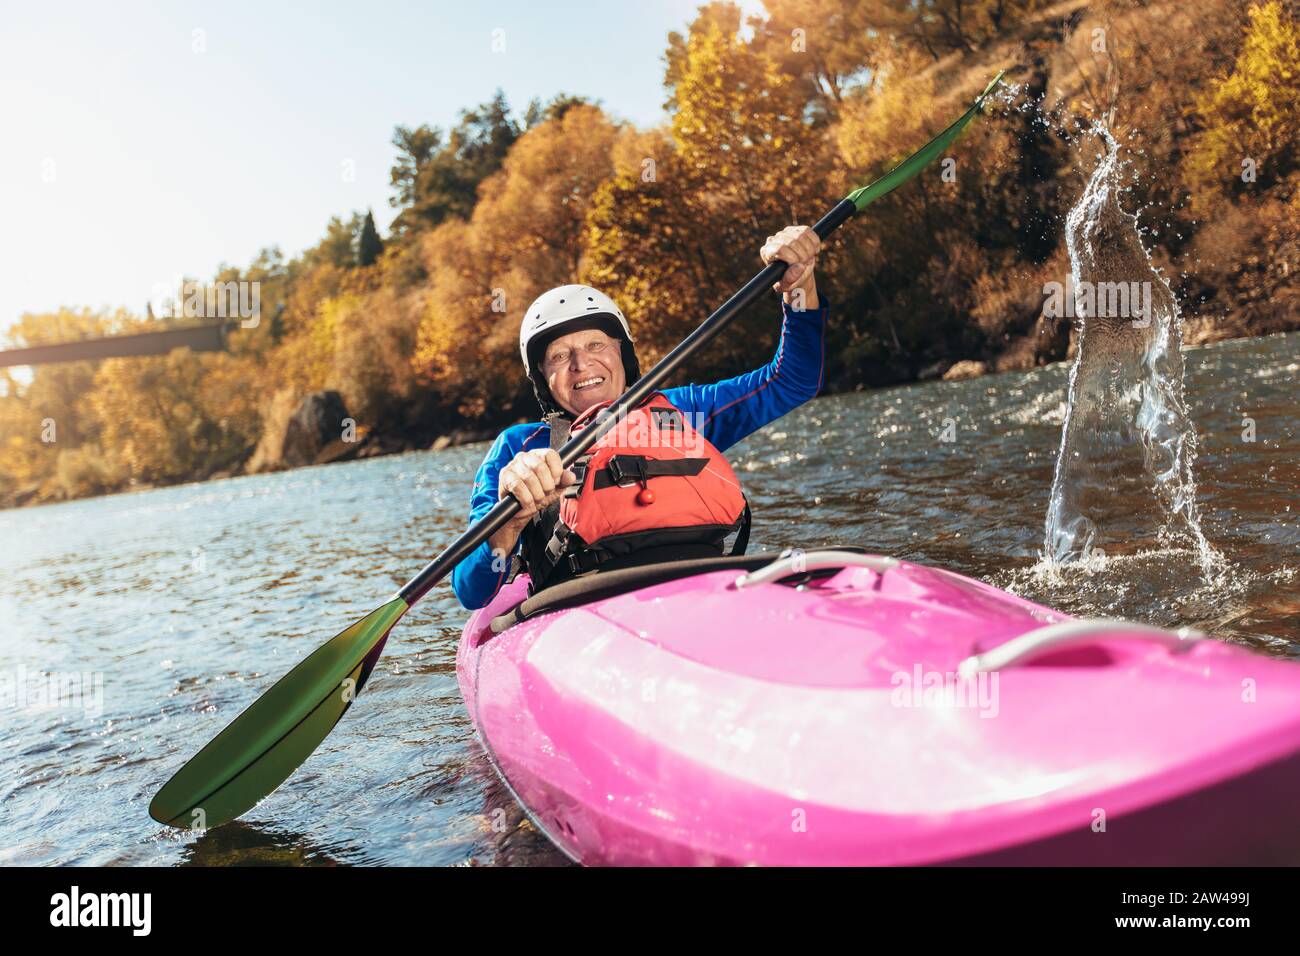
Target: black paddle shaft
{"x": 505, "y": 509}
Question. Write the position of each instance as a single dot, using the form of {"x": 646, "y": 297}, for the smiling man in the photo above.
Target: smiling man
{"x": 631, "y": 501}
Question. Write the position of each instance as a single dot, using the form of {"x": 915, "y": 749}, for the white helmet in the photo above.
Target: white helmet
{"x": 564, "y": 309}
{"x": 565, "y": 305}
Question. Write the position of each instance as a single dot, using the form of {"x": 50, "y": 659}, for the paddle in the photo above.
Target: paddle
{"x": 260, "y": 748}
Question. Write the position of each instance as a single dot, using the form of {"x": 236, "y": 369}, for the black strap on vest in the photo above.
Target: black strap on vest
{"x": 742, "y": 535}
{"x": 629, "y": 469}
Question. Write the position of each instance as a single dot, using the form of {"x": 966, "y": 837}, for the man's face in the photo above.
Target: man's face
{"x": 584, "y": 369}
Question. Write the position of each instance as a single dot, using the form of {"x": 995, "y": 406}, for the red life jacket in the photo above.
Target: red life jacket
{"x": 651, "y": 482}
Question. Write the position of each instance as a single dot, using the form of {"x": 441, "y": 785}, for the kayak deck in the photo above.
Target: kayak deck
{"x": 692, "y": 721}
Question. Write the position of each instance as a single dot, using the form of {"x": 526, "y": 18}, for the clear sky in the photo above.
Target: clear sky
{"x": 136, "y": 150}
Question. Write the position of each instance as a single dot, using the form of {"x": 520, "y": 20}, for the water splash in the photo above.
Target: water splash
{"x": 1126, "y": 425}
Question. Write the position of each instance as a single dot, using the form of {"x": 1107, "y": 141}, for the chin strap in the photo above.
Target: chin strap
{"x": 560, "y": 424}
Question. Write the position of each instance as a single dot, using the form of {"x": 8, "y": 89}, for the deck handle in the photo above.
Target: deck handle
{"x": 1054, "y": 637}
{"x": 799, "y": 562}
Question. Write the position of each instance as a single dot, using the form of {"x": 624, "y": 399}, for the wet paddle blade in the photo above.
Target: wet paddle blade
{"x": 923, "y": 157}
{"x": 268, "y": 741}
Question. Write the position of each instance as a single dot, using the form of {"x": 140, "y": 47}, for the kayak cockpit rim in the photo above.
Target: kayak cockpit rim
{"x": 605, "y": 584}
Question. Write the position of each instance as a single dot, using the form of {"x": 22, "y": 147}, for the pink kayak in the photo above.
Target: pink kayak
{"x": 836, "y": 708}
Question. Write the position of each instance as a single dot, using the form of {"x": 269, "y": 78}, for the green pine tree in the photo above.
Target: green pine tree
{"x": 369, "y": 245}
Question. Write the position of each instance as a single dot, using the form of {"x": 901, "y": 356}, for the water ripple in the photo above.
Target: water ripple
{"x": 189, "y": 602}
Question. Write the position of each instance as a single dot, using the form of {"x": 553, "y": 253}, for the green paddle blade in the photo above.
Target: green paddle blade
{"x": 268, "y": 741}
{"x": 922, "y": 157}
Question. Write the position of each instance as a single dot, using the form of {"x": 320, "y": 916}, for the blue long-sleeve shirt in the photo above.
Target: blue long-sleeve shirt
{"x": 729, "y": 410}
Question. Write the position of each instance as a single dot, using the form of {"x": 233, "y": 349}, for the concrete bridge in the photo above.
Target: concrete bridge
{"x": 198, "y": 338}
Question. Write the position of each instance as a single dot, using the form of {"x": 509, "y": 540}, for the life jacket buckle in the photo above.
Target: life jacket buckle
{"x": 556, "y": 545}
{"x": 627, "y": 469}
{"x": 579, "y": 469}
{"x": 584, "y": 561}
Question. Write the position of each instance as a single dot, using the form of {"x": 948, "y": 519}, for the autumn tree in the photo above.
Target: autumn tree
{"x": 553, "y": 109}
{"x": 831, "y": 46}
{"x": 939, "y": 27}
{"x": 45, "y": 415}
{"x": 1250, "y": 118}
{"x": 525, "y": 236}
{"x": 56, "y": 392}
{"x": 174, "y": 416}
{"x": 673, "y": 234}
{"x": 338, "y": 247}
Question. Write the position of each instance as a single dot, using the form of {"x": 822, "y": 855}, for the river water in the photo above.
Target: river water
{"x": 182, "y": 605}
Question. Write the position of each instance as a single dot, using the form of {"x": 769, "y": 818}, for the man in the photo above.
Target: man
{"x": 578, "y": 352}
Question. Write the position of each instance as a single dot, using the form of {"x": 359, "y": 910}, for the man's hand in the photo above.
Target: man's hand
{"x": 797, "y": 245}
{"x": 537, "y": 480}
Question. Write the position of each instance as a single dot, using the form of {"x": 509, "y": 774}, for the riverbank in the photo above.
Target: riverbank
{"x": 373, "y": 444}
{"x": 944, "y": 277}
